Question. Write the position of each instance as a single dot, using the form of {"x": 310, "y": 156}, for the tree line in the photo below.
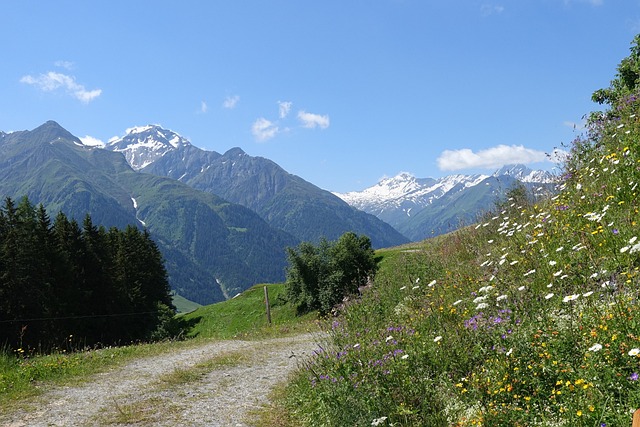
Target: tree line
{"x": 62, "y": 282}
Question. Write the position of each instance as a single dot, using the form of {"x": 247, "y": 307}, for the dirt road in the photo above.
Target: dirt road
{"x": 215, "y": 384}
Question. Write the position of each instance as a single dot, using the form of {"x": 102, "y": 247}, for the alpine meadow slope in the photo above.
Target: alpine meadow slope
{"x": 213, "y": 248}
{"x": 527, "y": 318}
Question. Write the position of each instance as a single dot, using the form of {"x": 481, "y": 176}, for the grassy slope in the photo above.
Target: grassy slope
{"x": 245, "y": 316}
{"x": 184, "y": 305}
{"x": 529, "y": 318}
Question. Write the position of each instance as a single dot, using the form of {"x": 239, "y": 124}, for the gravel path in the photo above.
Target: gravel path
{"x": 215, "y": 384}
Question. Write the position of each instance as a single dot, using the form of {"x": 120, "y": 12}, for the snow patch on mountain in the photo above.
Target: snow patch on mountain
{"x": 524, "y": 174}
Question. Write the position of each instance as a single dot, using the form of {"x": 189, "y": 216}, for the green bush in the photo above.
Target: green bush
{"x": 319, "y": 277}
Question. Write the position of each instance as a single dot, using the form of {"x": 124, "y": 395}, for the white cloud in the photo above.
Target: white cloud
{"x": 284, "y": 108}
{"x": 52, "y": 81}
{"x": 490, "y": 9}
{"x": 263, "y": 129}
{"x": 68, "y": 65}
{"x": 490, "y": 158}
{"x": 558, "y": 156}
{"x": 92, "y": 142}
{"x": 203, "y": 107}
{"x": 591, "y": 2}
{"x": 310, "y": 120}
{"x": 230, "y": 102}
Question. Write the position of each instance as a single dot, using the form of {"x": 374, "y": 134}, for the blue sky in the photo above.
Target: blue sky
{"x": 339, "y": 92}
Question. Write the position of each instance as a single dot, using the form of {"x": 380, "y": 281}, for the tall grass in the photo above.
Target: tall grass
{"x": 528, "y": 318}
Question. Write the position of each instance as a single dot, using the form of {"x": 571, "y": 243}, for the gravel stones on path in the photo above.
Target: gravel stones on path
{"x": 214, "y": 384}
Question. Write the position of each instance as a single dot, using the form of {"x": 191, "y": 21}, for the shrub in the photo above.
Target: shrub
{"x": 319, "y": 277}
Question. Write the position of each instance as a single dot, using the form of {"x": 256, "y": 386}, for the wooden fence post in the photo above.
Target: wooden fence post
{"x": 266, "y": 301}
{"x": 636, "y": 418}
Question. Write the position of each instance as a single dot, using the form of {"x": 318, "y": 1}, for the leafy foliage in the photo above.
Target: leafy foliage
{"x": 61, "y": 283}
{"x": 625, "y": 83}
{"x": 320, "y": 276}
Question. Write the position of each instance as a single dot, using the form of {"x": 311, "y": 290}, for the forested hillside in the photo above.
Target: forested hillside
{"x": 63, "y": 284}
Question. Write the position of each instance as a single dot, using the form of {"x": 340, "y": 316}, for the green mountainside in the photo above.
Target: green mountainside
{"x": 284, "y": 200}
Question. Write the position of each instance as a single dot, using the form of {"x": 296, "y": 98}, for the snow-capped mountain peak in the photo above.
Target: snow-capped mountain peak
{"x": 524, "y": 174}
{"x": 142, "y": 145}
{"x": 405, "y": 187}
{"x": 420, "y": 207}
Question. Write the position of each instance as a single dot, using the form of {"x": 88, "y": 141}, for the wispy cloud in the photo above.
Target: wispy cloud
{"x": 67, "y": 65}
{"x": 311, "y": 121}
{"x": 491, "y": 9}
{"x": 53, "y": 81}
{"x": 591, "y": 2}
{"x": 263, "y": 129}
{"x": 203, "y": 107}
{"x": 490, "y": 158}
{"x": 230, "y": 102}
{"x": 284, "y": 107}
{"x": 92, "y": 142}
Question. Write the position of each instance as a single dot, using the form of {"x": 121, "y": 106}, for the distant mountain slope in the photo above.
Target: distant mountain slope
{"x": 284, "y": 200}
{"x": 423, "y": 207}
{"x": 213, "y": 248}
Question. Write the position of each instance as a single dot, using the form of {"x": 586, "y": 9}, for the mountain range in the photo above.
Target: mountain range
{"x": 213, "y": 247}
{"x": 284, "y": 201}
{"x": 423, "y": 207}
{"x": 223, "y": 221}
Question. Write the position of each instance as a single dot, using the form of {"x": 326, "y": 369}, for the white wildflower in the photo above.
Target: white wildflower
{"x": 569, "y": 298}
{"x": 595, "y": 347}
{"x": 378, "y": 421}
{"x": 479, "y": 299}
